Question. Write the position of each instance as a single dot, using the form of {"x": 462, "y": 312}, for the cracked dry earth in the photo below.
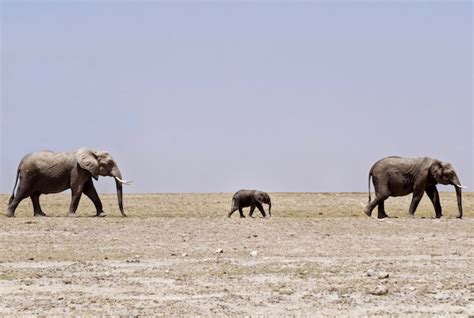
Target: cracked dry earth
{"x": 177, "y": 254}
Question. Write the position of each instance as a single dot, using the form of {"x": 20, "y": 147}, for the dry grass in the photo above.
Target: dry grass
{"x": 204, "y": 205}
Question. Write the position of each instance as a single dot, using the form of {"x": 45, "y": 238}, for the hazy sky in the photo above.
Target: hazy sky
{"x": 218, "y": 96}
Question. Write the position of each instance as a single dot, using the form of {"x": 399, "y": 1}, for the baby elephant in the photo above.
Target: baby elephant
{"x": 252, "y": 199}
{"x": 396, "y": 176}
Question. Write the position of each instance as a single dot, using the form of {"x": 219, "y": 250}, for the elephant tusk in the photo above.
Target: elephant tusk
{"x": 123, "y": 181}
{"x": 460, "y": 186}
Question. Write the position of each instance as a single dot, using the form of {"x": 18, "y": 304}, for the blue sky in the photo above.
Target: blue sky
{"x": 218, "y": 96}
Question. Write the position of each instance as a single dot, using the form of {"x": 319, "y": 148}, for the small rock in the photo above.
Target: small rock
{"x": 254, "y": 253}
{"x": 379, "y": 290}
{"x": 370, "y": 273}
{"x": 137, "y": 256}
{"x": 383, "y": 275}
{"x": 132, "y": 261}
{"x": 31, "y": 258}
{"x": 219, "y": 251}
{"x": 67, "y": 282}
{"x": 184, "y": 254}
{"x": 106, "y": 257}
{"x": 255, "y": 235}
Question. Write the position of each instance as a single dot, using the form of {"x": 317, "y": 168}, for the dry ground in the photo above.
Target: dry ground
{"x": 313, "y": 257}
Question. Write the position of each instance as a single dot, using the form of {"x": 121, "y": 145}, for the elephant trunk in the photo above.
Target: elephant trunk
{"x": 270, "y": 208}
{"x": 458, "y": 187}
{"x": 118, "y": 183}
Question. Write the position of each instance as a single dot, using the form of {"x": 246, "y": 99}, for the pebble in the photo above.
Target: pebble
{"x": 379, "y": 290}
{"x": 219, "y": 251}
{"x": 370, "y": 273}
{"x": 184, "y": 254}
{"x": 383, "y": 275}
{"x": 254, "y": 253}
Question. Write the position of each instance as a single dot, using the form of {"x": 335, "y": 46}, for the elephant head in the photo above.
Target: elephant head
{"x": 443, "y": 173}
{"x": 263, "y": 197}
{"x": 101, "y": 163}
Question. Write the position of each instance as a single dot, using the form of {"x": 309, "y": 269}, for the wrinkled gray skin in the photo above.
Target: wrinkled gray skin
{"x": 50, "y": 172}
{"x": 252, "y": 199}
{"x": 396, "y": 176}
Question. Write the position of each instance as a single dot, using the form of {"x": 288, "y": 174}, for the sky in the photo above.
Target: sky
{"x": 219, "y": 96}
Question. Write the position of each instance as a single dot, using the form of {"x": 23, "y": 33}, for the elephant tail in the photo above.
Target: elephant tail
{"x": 370, "y": 175}
{"x": 14, "y": 187}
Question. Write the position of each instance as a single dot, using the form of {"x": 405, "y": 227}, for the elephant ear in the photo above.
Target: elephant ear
{"x": 436, "y": 170}
{"x": 87, "y": 160}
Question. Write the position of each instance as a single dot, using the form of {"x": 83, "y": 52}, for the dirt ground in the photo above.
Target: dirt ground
{"x": 178, "y": 254}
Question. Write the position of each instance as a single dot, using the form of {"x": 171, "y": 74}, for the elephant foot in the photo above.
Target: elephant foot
{"x": 72, "y": 214}
{"x": 242, "y": 216}
{"x": 40, "y": 213}
{"x": 459, "y": 217}
{"x": 367, "y": 212}
{"x": 124, "y": 215}
{"x": 100, "y": 214}
{"x": 411, "y": 215}
{"x": 10, "y": 214}
{"x": 382, "y": 216}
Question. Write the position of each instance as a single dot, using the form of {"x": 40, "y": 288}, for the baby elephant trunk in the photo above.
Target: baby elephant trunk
{"x": 269, "y": 208}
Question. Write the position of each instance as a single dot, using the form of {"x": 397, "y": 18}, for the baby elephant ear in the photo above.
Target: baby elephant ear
{"x": 87, "y": 160}
{"x": 259, "y": 196}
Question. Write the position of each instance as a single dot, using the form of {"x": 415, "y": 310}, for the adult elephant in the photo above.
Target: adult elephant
{"x": 252, "y": 199}
{"x": 397, "y": 176}
{"x": 52, "y": 172}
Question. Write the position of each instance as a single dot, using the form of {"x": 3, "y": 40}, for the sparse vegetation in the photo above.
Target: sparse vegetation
{"x": 313, "y": 257}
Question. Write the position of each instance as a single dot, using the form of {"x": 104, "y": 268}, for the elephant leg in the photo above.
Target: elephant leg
{"x": 379, "y": 198}
{"x": 417, "y": 195}
{"x": 260, "y": 208}
{"x": 233, "y": 209}
{"x": 381, "y": 210}
{"x": 76, "y": 193}
{"x": 91, "y": 193}
{"x": 252, "y": 208}
{"x": 241, "y": 212}
{"x": 22, "y": 192}
{"x": 433, "y": 194}
{"x": 36, "y": 205}
{"x": 381, "y": 194}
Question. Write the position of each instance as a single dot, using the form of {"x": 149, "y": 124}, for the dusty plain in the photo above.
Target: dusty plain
{"x": 178, "y": 254}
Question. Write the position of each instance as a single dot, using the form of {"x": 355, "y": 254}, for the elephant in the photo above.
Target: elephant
{"x": 252, "y": 199}
{"x": 397, "y": 176}
{"x": 52, "y": 172}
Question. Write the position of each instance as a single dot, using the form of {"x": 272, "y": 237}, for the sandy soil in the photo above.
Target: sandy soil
{"x": 177, "y": 254}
